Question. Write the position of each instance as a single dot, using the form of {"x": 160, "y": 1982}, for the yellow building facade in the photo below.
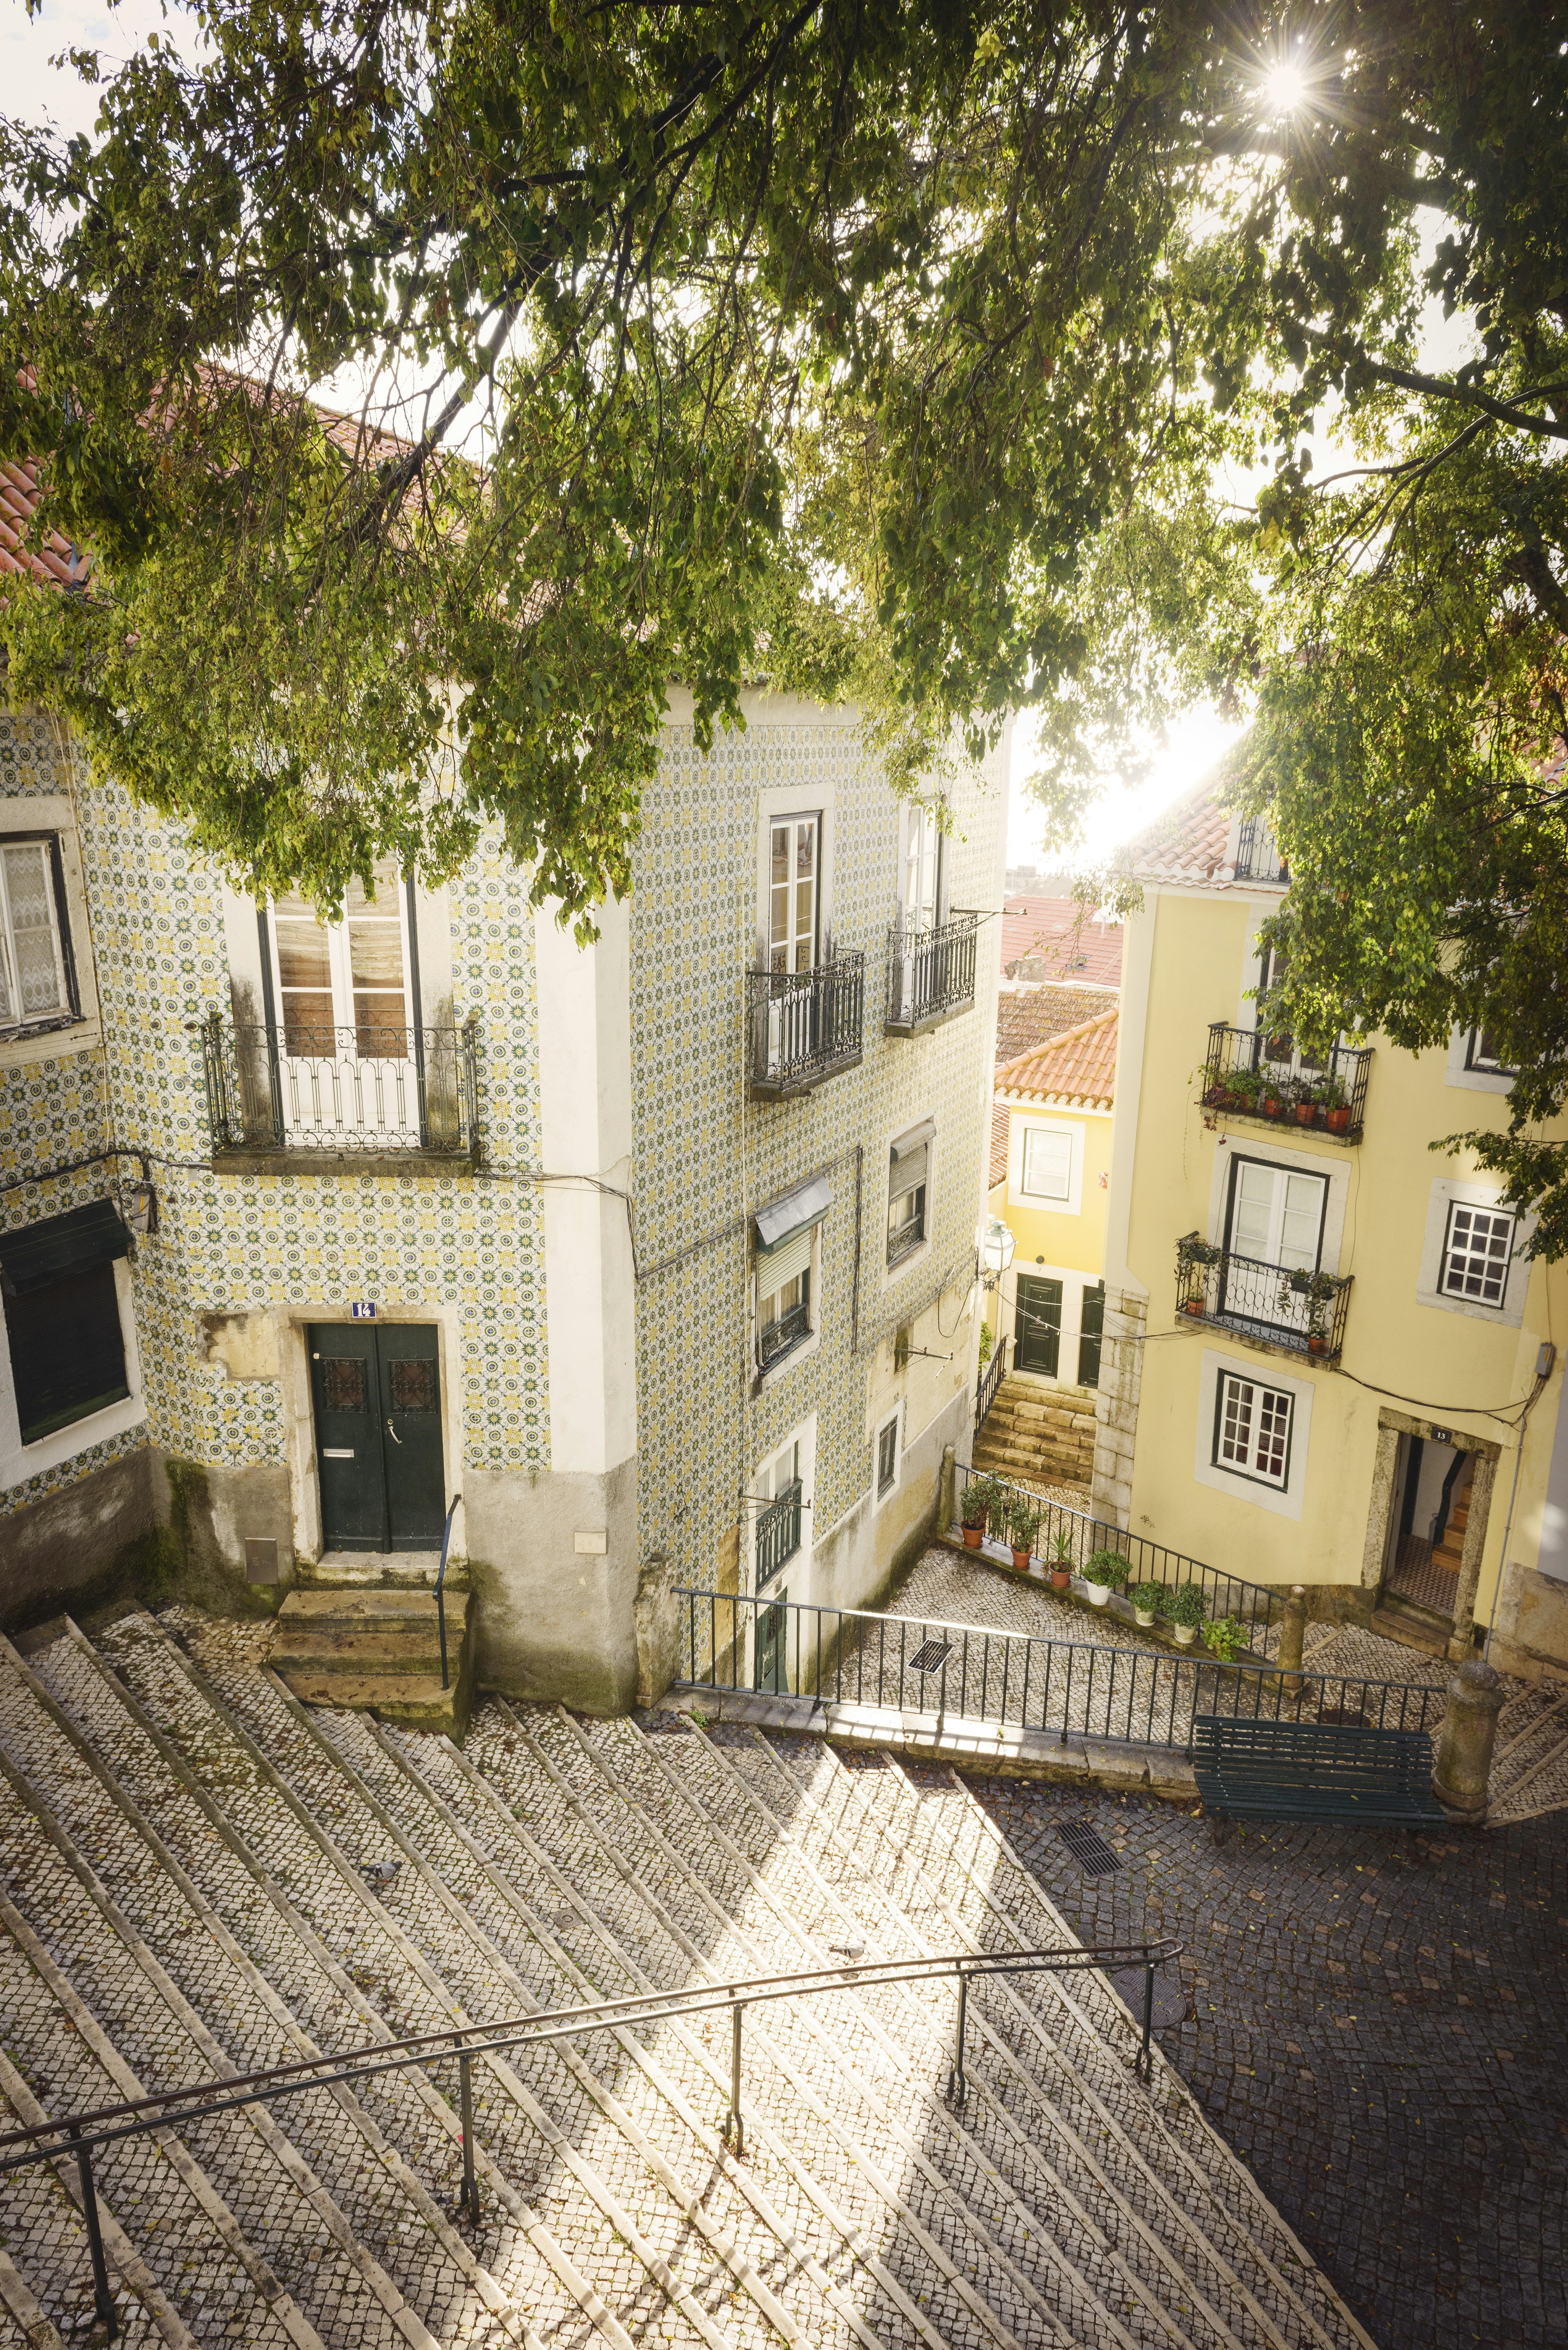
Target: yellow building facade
{"x": 1051, "y": 1178}
{"x": 1327, "y": 1360}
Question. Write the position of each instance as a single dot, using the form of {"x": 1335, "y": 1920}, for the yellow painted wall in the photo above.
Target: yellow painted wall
{"x": 1077, "y": 1242}
{"x": 1441, "y": 1366}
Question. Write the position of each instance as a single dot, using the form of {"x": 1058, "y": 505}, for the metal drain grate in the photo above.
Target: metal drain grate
{"x": 930, "y": 1655}
{"x": 1089, "y": 1848}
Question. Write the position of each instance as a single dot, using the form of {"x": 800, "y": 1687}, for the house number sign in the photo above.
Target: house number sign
{"x": 362, "y": 1309}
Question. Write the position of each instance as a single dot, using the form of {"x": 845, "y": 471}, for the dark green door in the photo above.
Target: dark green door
{"x": 1039, "y": 1340}
{"x": 1091, "y": 1327}
{"x": 772, "y": 1621}
{"x": 376, "y": 1389}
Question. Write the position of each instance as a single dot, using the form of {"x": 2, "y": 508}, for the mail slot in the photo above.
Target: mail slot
{"x": 337, "y": 1452}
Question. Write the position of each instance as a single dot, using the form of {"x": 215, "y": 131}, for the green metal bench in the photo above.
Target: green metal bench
{"x": 1312, "y": 1771}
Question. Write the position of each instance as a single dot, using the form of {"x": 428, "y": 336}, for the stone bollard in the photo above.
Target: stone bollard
{"x": 1293, "y": 1632}
{"x": 946, "y": 1496}
{"x": 1464, "y": 1749}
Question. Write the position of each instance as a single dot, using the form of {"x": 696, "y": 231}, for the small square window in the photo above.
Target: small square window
{"x": 887, "y": 1458}
{"x": 1476, "y": 1251}
{"x": 1047, "y": 1165}
{"x": 1252, "y": 1430}
{"x": 1481, "y": 1054}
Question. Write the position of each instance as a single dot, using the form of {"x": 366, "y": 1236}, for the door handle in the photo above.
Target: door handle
{"x": 392, "y": 1431}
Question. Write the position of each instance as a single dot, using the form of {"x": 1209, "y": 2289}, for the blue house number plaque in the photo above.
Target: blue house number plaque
{"x": 362, "y": 1309}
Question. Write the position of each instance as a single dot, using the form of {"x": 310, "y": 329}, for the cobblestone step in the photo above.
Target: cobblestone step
{"x": 45, "y": 2267}
{"x": 1530, "y": 1761}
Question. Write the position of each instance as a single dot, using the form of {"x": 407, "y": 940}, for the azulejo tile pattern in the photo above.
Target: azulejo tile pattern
{"x": 232, "y": 1243}
{"x": 707, "y": 1157}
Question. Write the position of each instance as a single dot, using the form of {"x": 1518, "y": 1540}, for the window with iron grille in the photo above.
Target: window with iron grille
{"x": 36, "y": 982}
{"x": 1477, "y": 1251}
{"x": 784, "y": 1277}
{"x": 1252, "y": 1429}
{"x": 909, "y": 1170}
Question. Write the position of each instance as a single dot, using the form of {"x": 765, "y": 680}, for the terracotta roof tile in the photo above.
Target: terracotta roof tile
{"x": 58, "y": 560}
{"x": 1001, "y": 1125}
{"x": 1188, "y": 842}
{"x": 1079, "y": 1065}
{"x": 1032, "y": 1014}
{"x": 1055, "y": 933}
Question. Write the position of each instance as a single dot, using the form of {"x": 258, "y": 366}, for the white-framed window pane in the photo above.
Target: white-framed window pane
{"x": 1301, "y": 1222}
{"x": 786, "y": 1299}
{"x": 906, "y": 1222}
{"x": 1047, "y": 1166}
{"x": 1481, "y": 1052}
{"x": 32, "y": 967}
{"x": 887, "y": 1457}
{"x": 1476, "y": 1253}
{"x": 1252, "y": 1430}
{"x": 794, "y": 873}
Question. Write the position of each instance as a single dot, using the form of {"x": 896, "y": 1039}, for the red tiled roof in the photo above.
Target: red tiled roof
{"x": 1032, "y": 1013}
{"x": 1079, "y": 1065}
{"x": 58, "y": 560}
{"x": 1067, "y": 943}
{"x": 1188, "y": 842}
{"x": 1000, "y": 1122}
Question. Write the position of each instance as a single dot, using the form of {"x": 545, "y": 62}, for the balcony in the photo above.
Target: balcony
{"x": 1258, "y": 857}
{"x": 367, "y": 1095}
{"x": 930, "y": 973}
{"x": 777, "y": 1339}
{"x": 1280, "y": 1305}
{"x": 778, "y": 1533}
{"x": 1244, "y": 1078}
{"x": 806, "y": 1025}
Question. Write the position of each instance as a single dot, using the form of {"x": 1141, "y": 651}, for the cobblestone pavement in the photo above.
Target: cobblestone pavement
{"x": 1379, "y": 2029}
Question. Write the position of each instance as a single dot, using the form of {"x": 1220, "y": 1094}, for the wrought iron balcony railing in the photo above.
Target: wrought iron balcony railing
{"x": 930, "y": 973}
{"x": 806, "y": 1025}
{"x": 1252, "y": 1074}
{"x": 1300, "y": 1310}
{"x": 1258, "y": 857}
{"x": 778, "y": 1533}
{"x": 369, "y": 1090}
{"x": 782, "y": 1337}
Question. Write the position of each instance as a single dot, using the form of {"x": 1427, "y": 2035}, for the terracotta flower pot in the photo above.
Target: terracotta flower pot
{"x": 1020, "y": 1559}
{"x": 1317, "y": 1344}
{"x": 973, "y": 1536}
{"x": 1193, "y": 1305}
{"x": 1338, "y": 1120}
{"x": 1270, "y": 1105}
{"x": 1306, "y": 1113}
{"x": 1061, "y": 1578}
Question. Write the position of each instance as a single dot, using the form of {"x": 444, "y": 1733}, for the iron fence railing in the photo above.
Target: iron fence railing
{"x": 778, "y": 1532}
{"x": 1251, "y": 1072}
{"x": 806, "y": 1025}
{"x": 930, "y": 972}
{"x": 1258, "y": 857}
{"x": 990, "y": 1378}
{"x": 1290, "y": 1306}
{"x": 1074, "y": 1536}
{"x": 77, "y": 2136}
{"x": 780, "y": 1338}
{"x": 920, "y": 1665}
{"x": 364, "y": 1088}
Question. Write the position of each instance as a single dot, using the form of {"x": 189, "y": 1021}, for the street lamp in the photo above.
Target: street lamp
{"x": 996, "y": 1251}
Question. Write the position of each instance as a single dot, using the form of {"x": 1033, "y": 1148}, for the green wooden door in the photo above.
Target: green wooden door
{"x": 1091, "y": 1325}
{"x": 1038, "y": 1344}
{"x": 771, "y": 1622}
{"x": 376, "y": 1388}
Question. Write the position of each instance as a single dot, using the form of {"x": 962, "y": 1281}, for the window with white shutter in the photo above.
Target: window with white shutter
{"x": 35, "y": 966}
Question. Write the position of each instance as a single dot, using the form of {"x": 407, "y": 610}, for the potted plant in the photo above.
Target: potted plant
{"x": 1223, "y": 1635}
{"x": 1335, "y": 1107}
{"x": 1193, "y": 1257}
{"x": 1183, "y": 1609}
{"x": 1246, "y": 1086}
{"x": 1146, "y": 1598}
{"x": 1105, "y": 1571}
{"x": 1307, "y": 1103}
{"x": 1023, "y": 1531}
{"x": 1317, "y": 1289}
{"x": 1273, "y": 1094}
{"x": 1060, "y": 1560}
{"x": 979, "y": 1498}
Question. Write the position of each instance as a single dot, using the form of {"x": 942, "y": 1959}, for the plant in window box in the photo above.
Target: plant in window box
{"x": 1023, "y": 1531}
{"x": 1193, "y": 1257}
{"x": 1105, "y": 1571}
{"x": 1306, "y": 1099}
{"x": 1317, "y": 1288}
{"x": 1146, "y": 1598}
{"x": 1243, "y": 1088}
{"x": 1273, "y": 1095}
{"x": 1223, "y": 1636}
{"x": 1184, "y": 1610}
{"x": 981, "y": 1496}
{"x": 1060, "y": 1563}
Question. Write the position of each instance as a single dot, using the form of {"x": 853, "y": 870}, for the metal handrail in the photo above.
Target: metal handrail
{"x": 930, "y": 970}
{"x": 990, "y": 1378}
{"x": 77, "y": 2134}
{"x": 1257, "y": 1294}
{"x": 440, "y": 1585}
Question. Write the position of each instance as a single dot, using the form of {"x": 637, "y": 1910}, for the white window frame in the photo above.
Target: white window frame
{"x": 19, "y": 1461}
{"x": 810, "y": 1343}
{"x": 1286, "y": 1501}
{"x": 1021, "y": 1126}
{"x": 922, "y": 865}
{"x": 339, "y": 966}
{"x": 1458, "y": 1243}
{"x": 50, "y": 815}
{"x": 1445, "y": 1195}
{"x": 1328, "y": 1164}
{"x": 1459, "y": 1074}
{"x": 921, "y": 1248}
{"x": 893, "y": 1420}
{"x": 1247, "y": 1438}
{"x": 802, "y": 1439}
{"x": 793, "y": 818}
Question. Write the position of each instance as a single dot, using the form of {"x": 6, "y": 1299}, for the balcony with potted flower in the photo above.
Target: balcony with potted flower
{"x": 1297, "y": 1308}
{"x": 1263, "y": 1080}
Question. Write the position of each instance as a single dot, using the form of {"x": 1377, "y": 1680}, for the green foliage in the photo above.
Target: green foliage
{"x": 1223, "y": 1636}
{"x": 1023, "y": 1522}
{"x": 985, "y": 1502}
{"x": 1107, "y": 1567}
{"x": 1145, "y": 1598}
{"x": 1183, "y": 1605}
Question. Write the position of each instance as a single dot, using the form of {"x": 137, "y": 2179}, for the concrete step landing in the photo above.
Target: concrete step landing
{"x": 375, "y": 1651}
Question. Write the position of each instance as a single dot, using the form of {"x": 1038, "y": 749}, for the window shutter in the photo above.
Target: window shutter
{"x": 775, "y": 1266}
{"x": 33, "y": 1255}
{"x": 909, "y": 1157}
{"x": 792, "y": 1212}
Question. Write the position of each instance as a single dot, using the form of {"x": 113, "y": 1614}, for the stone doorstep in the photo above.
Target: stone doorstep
{"x": 968, "y": 1745}
{"x": 372, "y": 1570}
{"x": 412, "y": 1701}
{"x": 301, "y": 1649}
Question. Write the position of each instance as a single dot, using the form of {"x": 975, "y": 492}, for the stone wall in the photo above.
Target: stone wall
{"x": 1117, "y": 1404}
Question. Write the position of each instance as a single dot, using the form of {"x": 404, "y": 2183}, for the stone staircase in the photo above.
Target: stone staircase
{"x": 377, "y": 1651}
{"x": 1038, "y": 1434}
{"x": 1530, "y": 1760}
{"x": 200, "y": 1875}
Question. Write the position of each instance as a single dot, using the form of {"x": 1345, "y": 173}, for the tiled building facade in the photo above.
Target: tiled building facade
{"x": 591, "y": 1283}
